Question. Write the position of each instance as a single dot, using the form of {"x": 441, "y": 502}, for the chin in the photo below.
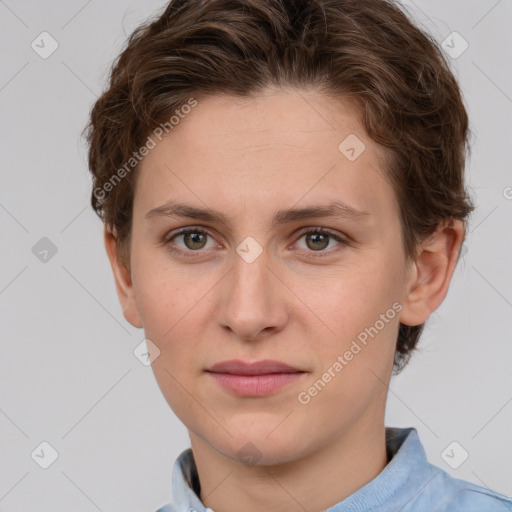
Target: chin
{"x": 258, "y": 450}
{"x": 260, "y": 453}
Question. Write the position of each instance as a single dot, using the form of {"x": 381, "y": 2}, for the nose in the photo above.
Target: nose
{"x": 254, "y": 302}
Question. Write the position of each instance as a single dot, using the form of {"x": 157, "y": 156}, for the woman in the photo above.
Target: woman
{"x": 283, "y": 196}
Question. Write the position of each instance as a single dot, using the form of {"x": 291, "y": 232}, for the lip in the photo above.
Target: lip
{"x": 264, "y": 367}
{"x": 254, "y": 379}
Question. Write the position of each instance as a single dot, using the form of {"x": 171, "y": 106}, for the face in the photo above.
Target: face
{"x": 252, "y": 284}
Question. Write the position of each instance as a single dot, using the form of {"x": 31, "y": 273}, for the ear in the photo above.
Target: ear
{"x": 431, "y": 272}
{"x": 123, "y": 280}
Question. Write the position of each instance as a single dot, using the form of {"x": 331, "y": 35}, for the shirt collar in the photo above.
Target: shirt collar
{"x": 401, "y": 479}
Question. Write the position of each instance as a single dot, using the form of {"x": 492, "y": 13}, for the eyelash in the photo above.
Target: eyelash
{"x": 308, "y": 231}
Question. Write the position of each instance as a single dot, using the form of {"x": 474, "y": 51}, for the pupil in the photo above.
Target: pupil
{"x": 195, "y": 238}
{"x": 320, "y": 237}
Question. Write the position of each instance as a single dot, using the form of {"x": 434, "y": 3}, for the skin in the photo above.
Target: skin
{"x": 248, "y": 158}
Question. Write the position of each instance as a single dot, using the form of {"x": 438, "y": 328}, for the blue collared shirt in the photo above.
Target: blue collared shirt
{"x": 409, "y": 483}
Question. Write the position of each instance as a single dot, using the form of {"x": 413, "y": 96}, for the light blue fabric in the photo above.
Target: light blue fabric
{"x": 409, "y": 483}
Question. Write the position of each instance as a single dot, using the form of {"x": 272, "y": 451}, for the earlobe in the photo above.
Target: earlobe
{"x": 123, "y": 280}
{"x": 431, "y": 273}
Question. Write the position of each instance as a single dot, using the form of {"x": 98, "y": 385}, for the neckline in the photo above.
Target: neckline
{"x": 406, "y": 456}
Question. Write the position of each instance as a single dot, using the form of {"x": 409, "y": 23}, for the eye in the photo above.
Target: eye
{"x": 194, "y": 239}
{"x": 318, "y": 239}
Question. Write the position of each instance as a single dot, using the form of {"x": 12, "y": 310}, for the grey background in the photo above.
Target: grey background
{"x": 67, "y": 369}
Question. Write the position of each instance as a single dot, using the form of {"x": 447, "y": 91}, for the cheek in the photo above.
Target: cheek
{"x": 173, "y": 304}
{"x": 361, "y": 311}
{"x": 173, "y": 314}
{"x": 167, "y": 296}
{"x": 353, "y": 366}
{"x": 351, "y": 299}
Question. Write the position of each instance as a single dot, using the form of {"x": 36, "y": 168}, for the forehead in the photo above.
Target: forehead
{"x": 276, "y": 149}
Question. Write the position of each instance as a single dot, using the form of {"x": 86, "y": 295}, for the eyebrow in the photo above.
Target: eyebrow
{"x": 336, "y": 209}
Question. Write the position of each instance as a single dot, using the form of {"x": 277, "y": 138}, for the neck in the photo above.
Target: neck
{"x": 337, "y": 470}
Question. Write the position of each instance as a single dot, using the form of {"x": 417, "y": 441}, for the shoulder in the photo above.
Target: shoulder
{"x": 445, "y": 493}
{"x": 428, "y": 488}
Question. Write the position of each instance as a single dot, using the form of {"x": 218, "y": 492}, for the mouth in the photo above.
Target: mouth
{"x": 254, "y": 379}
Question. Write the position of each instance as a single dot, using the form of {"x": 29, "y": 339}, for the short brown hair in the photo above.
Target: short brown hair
{"x": 367, "y": 51}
